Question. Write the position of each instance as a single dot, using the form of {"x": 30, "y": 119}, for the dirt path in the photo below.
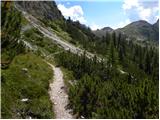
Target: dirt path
{"x": 58, "y": 96}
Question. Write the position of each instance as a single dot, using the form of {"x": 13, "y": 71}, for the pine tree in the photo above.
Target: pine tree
{"x": 114, "y": 38}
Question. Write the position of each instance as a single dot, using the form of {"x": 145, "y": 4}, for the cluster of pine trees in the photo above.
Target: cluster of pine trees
{"x": 115, "y": 45}
{"x": 103, "y": 89}
{"x": 103, "y": 92}
{"x": 10, "y": 43}
{"x": 141, "y": 55}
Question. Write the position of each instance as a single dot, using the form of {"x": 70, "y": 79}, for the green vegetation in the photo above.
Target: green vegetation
{"x": 123, "y": 85}
{"x": 42, "y": 43}
{"x": 24, "y": 21}
{"x": 101, "y": 92}
{"x": 26, "y": 78}
{"x": 10, "y": 43}
{"x": 103, "y": 89}
{"x": 57, "y": 27}
{"x": 68, "y": 77}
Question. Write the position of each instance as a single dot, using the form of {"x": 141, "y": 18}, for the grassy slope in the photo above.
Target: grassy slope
{"x": 33, "y": 84}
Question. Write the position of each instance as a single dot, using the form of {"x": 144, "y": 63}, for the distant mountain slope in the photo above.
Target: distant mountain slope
{"x": 140, "y": 30}
{"x": 156, "y": 28}
{"x": 102, "y": 32}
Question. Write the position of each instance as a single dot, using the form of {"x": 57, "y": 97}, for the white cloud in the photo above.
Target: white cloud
{"x": 136, "y": 7}
{"x": 155, "y": 11}
{"x": 122, "y": 24}
{"x": 74, "y": 12}
{"x": 94, "y": 26}
{"x": 128, "y": 4}
{"x": 144, "y": 13}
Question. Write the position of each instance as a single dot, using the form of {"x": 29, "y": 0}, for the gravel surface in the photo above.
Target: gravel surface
{"x": 58, "y": 95}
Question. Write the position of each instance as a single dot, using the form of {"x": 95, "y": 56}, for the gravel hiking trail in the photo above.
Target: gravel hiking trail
{"x": 58, "y": 95}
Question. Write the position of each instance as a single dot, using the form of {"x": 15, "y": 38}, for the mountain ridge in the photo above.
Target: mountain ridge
{"x": 140, "y": 30}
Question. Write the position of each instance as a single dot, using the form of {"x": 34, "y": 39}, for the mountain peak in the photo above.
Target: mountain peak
{"x": 141, "y": 30}
{"x": 107, "y": 29}
{"x": 139, "y": 23}
{"x": 102, "y": 32}
{"x": 157, "y": 22}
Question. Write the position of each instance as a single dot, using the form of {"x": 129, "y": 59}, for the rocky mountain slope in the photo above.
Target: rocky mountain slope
{"x": 41, "y": 10}
{"x": 48, "y": 13}
{"x": 156, "y": 28}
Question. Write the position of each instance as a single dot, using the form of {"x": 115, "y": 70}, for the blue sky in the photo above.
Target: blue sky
{"x": 116, "y": 13}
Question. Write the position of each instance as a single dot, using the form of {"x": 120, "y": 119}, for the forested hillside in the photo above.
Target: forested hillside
{"x": 124, "y": 87}
{"x": 124, "y": 84}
